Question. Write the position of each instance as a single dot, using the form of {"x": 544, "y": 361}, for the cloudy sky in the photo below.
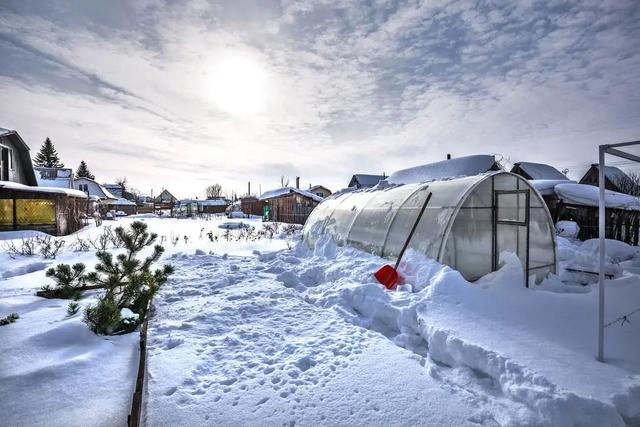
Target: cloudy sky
{"x": 181, "y": 94}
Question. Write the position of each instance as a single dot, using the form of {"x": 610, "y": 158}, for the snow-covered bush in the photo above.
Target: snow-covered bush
{"x": 73, "y": 308}
{"x": 9, "y": 319}
{"x": 49, "y": 247}
{"x": 128, "y": 281}
{"x": 69, "y": 281}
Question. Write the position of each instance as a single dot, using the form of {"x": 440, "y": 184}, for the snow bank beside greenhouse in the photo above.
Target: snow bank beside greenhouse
{"x": 307, "y": 336}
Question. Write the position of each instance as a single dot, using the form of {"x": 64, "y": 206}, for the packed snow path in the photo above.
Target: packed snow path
{"x": 297, "y": 338}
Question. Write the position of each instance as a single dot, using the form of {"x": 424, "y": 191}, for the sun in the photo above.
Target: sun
{"x": 238, "y": 85}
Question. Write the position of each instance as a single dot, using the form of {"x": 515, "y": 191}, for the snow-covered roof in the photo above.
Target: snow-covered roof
{"x": 613, "y": 173}
{"x": 541, "y": 171}
{"x": 278, "y": 192}
{"x": 213, "y": 202}
{"x": 445, "y": 169}
{"x": 366, "y": 180}
{"x": 55, "y": 190}
{"x": 546, "y": 186}
{"x": 54, "y": 177}
{"x": 588, "y": 195}
{"x": 105, "y": 192}
{"x": 121, "y": 202}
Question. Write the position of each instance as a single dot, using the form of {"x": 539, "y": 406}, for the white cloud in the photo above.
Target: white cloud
{"x": 331, "y": 88}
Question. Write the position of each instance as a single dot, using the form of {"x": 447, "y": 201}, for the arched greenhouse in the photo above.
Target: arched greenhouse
{"x": 468, "y": 222}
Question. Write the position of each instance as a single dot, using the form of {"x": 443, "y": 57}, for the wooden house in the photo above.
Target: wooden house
{"x": 115, "y": 189}
{"x": 570, "y": 201}
{"x": 15, "y": 160}
{"x": 165, "y": 201}
{"x": 26, "y": 206}
{"x": 92, "y": 188}
{"x": 361, "y": 180}
{"x": 213, "y": 206}
{"x": 320, "y": 190}
{"x": 252, "y": 205}
{"x": 288, "y": 204}
{"x": 614, "y": 179}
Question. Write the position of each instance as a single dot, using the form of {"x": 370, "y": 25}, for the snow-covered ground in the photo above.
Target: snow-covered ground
{"x": 53, "y": 370}
{"x": 264, "y": 331}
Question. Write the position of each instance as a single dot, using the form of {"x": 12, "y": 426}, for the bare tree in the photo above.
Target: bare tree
{"x": 629, "y": 184}
{"x": 284, "y": 182}
{"x": 214, "y": 191}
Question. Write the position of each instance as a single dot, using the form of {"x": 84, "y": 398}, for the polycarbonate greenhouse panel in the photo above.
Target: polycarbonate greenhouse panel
{"x": 344, "y": 214}
{"x": 369, "y": 230}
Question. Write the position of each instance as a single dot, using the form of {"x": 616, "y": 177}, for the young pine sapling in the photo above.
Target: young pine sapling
{"x": 127, "y": 280}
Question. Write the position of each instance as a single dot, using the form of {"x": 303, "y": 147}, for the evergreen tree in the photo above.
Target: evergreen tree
{"x": 83, "y": 171}
{"x": 48, "y": 156}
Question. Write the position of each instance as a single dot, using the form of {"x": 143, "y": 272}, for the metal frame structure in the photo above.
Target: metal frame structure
{"x": 613, "y": 150}
{"x": 516, "y": 223}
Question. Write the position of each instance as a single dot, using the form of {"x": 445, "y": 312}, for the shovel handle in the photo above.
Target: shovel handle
{"x": 413, "y": 229}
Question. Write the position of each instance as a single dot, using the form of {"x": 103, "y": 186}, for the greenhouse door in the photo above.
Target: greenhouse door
{"x": 511, "y": 226}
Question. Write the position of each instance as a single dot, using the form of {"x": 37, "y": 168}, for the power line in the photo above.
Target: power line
{"x": 624, "y": 318}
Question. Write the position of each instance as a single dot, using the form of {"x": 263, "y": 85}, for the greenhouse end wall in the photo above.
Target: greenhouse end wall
{"x": 469, "y": 221}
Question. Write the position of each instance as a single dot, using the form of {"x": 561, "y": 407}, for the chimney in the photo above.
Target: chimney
{"x": 249, "y": 188}
{"x": 448, "y": 156}
{"x": 298, "y": 182}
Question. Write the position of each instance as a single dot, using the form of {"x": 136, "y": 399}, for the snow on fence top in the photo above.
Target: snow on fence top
{"x": 445, "y": 169}
{"x": 540, "y": 171}
{"x": 54, "y": 190}
{"x": 587, "y": 195}
{"x": 278, "y": 192}
{"x": 546, "y": 187}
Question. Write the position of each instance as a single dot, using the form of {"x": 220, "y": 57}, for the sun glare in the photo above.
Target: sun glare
{"x": 238, "y": 86}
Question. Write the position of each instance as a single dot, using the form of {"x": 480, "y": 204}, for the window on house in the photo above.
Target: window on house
{"x": 5, "y": 156}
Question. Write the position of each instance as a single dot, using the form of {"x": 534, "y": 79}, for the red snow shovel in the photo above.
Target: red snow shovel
{"x": 388, "y": 275}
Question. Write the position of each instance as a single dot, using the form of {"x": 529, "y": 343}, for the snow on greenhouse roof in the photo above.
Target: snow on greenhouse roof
{"x": 278, "y": 192}
{"x": 54, "y": 190}
{"x": 541, "y": 171}
{"x": 587, "y": 195}
{"x": 445, "y": 169}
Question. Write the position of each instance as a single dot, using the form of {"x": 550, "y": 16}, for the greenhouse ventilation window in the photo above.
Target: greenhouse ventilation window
{"x": 468, "y": 223}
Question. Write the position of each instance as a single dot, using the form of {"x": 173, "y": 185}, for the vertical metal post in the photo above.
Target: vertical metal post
{"x": 601, "y": 231}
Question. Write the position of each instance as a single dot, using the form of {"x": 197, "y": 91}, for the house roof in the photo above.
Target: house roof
{"x": 365, "y": 180}
{"x": 213, "y": 202}
{"x": 165, "y": 194}
{"x": 315, "y": 187}
{"x": 106, "y": 194}
{"x": 279, "y": 192}
{"x": 24, "y": 156}
{"x": 115, "y": 189}
{"x": 10, "y": 185}
{"x": 445, "y": 169}
{"x": 540, "y": 171}
{"x": 121, "y": 201}
{"x": 613, "y": 173}
{"x": 63, "y": 177}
